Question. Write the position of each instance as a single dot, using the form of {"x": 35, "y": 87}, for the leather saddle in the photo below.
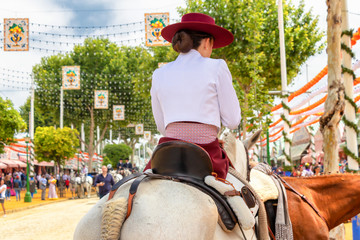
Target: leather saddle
{"x": 176, "y": 158}
{"x": 186, "y": 163}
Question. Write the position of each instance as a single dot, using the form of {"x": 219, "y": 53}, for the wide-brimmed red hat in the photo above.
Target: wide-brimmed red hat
{"x": 199, "y": 22}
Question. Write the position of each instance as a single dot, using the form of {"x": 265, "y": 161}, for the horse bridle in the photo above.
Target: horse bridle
{"x": 303, "y": 197}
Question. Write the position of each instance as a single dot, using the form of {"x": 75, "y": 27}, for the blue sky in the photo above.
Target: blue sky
{"x": 108, "y": 12}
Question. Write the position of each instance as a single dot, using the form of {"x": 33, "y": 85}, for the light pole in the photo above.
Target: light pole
{"x": 27, "y": 194}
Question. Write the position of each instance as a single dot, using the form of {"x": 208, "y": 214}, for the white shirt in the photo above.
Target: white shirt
{"x": 2, "y": 194}
{"x": 197, "y": 89}
{"x": 307, "y": 173}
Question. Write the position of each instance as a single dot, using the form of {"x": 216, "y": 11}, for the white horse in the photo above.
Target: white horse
{"x": 83, "y": 183}
{"x": 116, "y": 176}
{"x": 87, "y": 184}
{"x": 164, "y": 210}
{"x": 72, "y": 184}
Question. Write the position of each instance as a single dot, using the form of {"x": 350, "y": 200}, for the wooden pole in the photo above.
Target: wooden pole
{"x": 351, "y": 138}
{"x": 334, "y": 104}
{"x": 283, "y": 78}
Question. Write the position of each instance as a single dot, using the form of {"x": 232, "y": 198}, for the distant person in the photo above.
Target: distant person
{"x": 17, "y": 187}
{"x": 317, "y": 170}
{"x": 52, "y": 188}
{"x": 32, "y": 185}
{"x": 22, "y": 178}
{"x": 3, "y": 188}
{"x": 307, "y": 172}
{"x": 119, "y": 164}
{"x": 294, "y": 172}
{"x": 84, "y": 170}
{"x": 8, "y": 182}
{"x": 127, "y": 164}
{"x": 104, "y": 181}
{"x": 42, "y": 184}
{"x": 135, "y": 168}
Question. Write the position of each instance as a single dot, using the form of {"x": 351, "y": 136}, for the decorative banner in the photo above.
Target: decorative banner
{"x": 147, "y": 135}
{"x": 139, "y": 129}
{"x": 119, "y": 112}
{"x": 154, "y": 23}
{"x": 160, "y": 64}
{"x": 71, "y": 77}
{"x": 16, "y": 34}
{"x": 101, "y": 99}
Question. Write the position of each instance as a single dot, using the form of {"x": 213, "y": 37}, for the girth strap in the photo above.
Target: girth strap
{"x": 121, "y": 182}
{"x": 133, "y": 189}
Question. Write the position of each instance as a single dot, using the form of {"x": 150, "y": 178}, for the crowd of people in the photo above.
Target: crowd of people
{"x": 308, "y": 169}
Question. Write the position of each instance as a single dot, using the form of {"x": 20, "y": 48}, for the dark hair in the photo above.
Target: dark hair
{"x": 185, "y": 40}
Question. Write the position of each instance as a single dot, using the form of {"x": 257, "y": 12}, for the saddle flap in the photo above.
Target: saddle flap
{"x": 177, "y": 158}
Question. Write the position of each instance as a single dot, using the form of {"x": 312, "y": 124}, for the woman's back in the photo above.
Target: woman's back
{"x": 197, "y": 89}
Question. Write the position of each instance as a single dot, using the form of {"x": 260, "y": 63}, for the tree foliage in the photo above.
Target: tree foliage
{"x": 10, "y": 123}
{"x": 41, "y": 118}
{"x": 116, "y": 152}
{"x": 55, "y": 144}
{"x": 123, "y": 71}
{"x": 254, "y": 56}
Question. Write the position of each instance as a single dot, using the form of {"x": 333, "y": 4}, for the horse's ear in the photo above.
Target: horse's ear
{"x": 248, "y": 143}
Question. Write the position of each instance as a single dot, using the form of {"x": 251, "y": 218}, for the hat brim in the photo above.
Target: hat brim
{"x": 222, "y": 37}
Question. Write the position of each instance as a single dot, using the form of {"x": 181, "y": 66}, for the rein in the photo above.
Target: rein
{"x": 303, "y": 197}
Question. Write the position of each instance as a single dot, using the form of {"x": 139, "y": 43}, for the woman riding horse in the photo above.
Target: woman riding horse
{"x": 193, "y": 95}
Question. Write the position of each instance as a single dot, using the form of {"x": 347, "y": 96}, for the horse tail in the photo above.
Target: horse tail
{"x": 113, "y": 216}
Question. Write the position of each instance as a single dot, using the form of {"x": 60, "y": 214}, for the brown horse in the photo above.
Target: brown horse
{"x": 336, "y": 197}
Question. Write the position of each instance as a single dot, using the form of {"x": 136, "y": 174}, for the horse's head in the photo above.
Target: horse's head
{"x": 237, "y": 150}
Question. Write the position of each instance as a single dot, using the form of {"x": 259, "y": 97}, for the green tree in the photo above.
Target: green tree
{"x": 254, "y": 56}
{"x": 10, "y": 123}
{"x": 41, "y": 118}
{"x": 55, "y": 144}
{"x": 115, "y": 152}
{"x": 104, "y": 66}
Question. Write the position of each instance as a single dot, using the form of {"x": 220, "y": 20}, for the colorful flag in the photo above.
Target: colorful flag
{"x": 147, "y": 135}
{"x": 16, "y": 34}
{"x": 154, "y": 23}
{"x": 101, "y": 99}
{"x": 139, "y": 129}
{"x": 119, "y": 112}
{"x": 71, "y": 77}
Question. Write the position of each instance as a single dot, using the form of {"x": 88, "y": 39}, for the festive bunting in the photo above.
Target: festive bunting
{"x": 154, "y": 23}
{"x": 147, "y": 135}
{"x": 16, "y": 34}
{"x": 312, "y": 106}
{"x": 119, "y": 112}
{"x": 139, "y": 129}
{"x": 71, "y": 77}
{"x": 101, "y": 99}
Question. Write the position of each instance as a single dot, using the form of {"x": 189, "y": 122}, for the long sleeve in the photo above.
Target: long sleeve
{"x": 230, "y": 112}
{"x": 156, "y": 108}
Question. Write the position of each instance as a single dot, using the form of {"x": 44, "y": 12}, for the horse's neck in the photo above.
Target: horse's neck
{"x": 336, "y": 196}
{"x": 240, "y": 159}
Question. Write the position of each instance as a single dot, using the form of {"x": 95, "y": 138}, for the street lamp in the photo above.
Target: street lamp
{"x": 27, "y": 194}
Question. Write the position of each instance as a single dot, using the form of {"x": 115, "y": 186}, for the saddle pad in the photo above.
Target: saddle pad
{"x": 263, "y": 185}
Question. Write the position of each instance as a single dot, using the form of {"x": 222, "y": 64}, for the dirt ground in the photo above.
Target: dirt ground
{"x": 52, "y": 221}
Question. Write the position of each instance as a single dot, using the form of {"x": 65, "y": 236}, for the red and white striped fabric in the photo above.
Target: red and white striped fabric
{"x": 192, "y": 132}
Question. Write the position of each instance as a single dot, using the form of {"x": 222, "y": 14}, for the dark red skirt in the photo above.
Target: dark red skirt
{"x": 219, "y": 159}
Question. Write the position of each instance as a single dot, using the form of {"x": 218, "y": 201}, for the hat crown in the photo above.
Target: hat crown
{"x": 197, "y": 17}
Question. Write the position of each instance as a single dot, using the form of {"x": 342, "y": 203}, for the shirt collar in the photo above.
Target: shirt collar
{"x": 191, "y": 53}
